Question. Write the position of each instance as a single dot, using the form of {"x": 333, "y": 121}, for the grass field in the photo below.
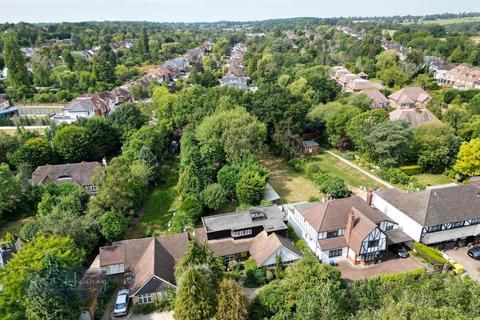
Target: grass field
{"x": 449, "y": 21}
{"x": 433, "y": 179}
{"x": 352, "y": 177}
{"x": 159, "y": 209}
{"x": 289, "y": 184}
{"x": 475, "y": 39}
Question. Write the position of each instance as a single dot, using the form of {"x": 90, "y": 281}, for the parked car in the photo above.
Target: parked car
{"x": 402, "y": 253}
{"x": 121, "y": 303}
{"x": 474, "y": 253}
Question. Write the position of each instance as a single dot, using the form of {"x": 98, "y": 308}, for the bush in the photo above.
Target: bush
{"x": 349, "y": 156}
{"x": 432, "y": 255}
{"x": 312, "y": 168}
{"x": 213, "y": 196}
{"x": 412, "y": 170}
{"x": 331, "y": 185}
{"x": 297, "y": 164}
{"x": 165, "y": 303}
{"x": 114, "y": 226}
{"x": 394, "y": 175}
{"x": 256, "y": 277}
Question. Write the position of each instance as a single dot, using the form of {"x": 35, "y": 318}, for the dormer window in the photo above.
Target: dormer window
{"x": 64, "y": 179}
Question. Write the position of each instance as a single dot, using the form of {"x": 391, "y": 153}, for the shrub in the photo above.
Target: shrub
{"x": 349, "y": 156}
{"x": 256, "y": 277}
{"x": 331, "y": 185}
{"x": 312, "y": 168}
{"x": 394, "y": 175}
{"x": 114, "y": 226}
{"x": 432, "y": 255}
{"x": 415, "y": 273}
{"x": 313, "y": 199}
{"x": 213, "y": 196}
{"x": 297, "y": 164}
{"x": 412, "y": 170}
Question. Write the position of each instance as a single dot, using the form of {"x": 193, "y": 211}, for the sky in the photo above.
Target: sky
{"x": 216, "y": 10}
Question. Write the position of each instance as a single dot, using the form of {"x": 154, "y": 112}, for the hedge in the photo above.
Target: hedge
{"x": 432, "y": 255}
{"x": 394, "y": 175}
{"x": 415, "y": 273}
{"x": 412, "y": 170}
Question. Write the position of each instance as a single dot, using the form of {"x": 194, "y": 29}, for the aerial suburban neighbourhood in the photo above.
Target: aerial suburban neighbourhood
{"x": 259, "y": 165}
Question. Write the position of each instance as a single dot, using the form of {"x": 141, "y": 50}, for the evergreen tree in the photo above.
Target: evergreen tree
{"x": 104, "y": 66}
{"x": 194, "y": 300}
{"x": 232, "y": 301}
{"x": 18, "y": 78}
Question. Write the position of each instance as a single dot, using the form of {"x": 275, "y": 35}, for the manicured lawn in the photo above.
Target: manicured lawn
{"x": 352, "y": 177}
{"x": 433, "y": 179}
{"x": 290, "y": 185}
{"x": 159, "y": 209}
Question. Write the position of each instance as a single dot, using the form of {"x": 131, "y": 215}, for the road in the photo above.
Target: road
{"x": 365, "y": 172}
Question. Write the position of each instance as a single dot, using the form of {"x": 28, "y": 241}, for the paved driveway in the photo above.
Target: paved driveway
{"x": 391, "y": 266}
{"x": 152, "y": 316}
{"x": 471, "y": 266}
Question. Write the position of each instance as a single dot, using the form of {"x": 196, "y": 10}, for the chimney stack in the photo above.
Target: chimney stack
{"x": 369, "y": 196}
{"x": 350, "y": 225}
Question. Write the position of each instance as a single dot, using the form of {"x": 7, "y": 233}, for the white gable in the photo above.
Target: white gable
{"x": 285, "y": 253}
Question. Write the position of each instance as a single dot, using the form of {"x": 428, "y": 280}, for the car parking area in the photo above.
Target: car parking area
{"x": 390, "y": 265}
{"x": 471, "y": 266}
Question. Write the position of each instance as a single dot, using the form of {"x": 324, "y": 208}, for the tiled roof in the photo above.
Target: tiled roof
{"x": 410, "y": 95}
{"x": 333, "y": 215}
{"x": 439, "y": 205}
{"x": 415, "y": 116}
{"x": 78, "y": 173}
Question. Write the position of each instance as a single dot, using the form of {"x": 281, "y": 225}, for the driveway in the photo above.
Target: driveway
{"x": 471, "y": 266}
{"x": 391, "y": 266}
{"x": 152, "y": 316}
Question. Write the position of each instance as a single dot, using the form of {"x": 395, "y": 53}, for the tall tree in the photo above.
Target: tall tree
{"x": 104, "y": 66}
{"x": 10, "y": 191}
{"x": 194, "y": 300}
{"x": 73, "y": 144}
{"x": 52, "y": 292}
{"x": 232, "y": 302}
{"x": 18, "y": 77}
{"x": 468, "y": 159}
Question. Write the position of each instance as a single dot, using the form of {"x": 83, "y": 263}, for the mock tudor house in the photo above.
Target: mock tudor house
{"x": 259, "y": 233}
{"x": 344, "y": 229}
{"x": 437, "y": 215}
{"x": 77, "y": 173}
{"x": 146, "y": 264}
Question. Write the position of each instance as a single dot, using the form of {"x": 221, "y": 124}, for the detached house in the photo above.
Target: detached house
{"x": 147, "y": 264}
{"x": 410, "y": 104}
{"x": 260, "y": 233}
{"x": 85, "y": 107}
{"x": 77, "y": 173}
{"x": 344, "y": 229}
{"x": 462, "y": 77}
{"x": 377, "y": 99}
{"x": 436, "y": 215}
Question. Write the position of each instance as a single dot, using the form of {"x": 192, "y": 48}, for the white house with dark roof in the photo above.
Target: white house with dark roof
{"x": 343, "y": 229}
{"x": 436, "y": 215}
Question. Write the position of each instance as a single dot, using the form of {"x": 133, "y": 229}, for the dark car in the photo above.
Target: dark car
{"x": 402, "y": 253}
{"x": 474, "y": 253}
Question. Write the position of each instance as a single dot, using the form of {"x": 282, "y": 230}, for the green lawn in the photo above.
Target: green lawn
{"x": 352, "y": 177}
{"x": 433, "y": 179}
{"x": 289, "y": 184}
{"x": 159, "y": 209}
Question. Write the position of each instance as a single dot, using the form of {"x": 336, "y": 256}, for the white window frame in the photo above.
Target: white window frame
{"x": 335, "y": 253}
{"x": 145, "y": 298}
{"x": 241, "y": 233}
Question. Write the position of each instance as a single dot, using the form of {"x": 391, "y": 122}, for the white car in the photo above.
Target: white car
{"x": 121, "y": 303}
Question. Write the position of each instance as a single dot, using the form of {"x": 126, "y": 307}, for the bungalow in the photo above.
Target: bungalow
{"x": 343, "y": 229}
{"x": 259, "y": 233}
{"x": 436, "y": 215}
{"x": 77, "y": 173}
{"x": 147, "y": 264}
{"x": 377, "y": 99}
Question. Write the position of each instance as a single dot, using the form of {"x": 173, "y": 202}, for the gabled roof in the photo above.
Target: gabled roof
{"x": 438, "y": 205}
{"x": 362, "y": 227}
{"x": 147, "y": 259}
{"x": 415, "y": 116}
{"x": 78, "y": 173}
{"x": 375, "y": 95}
{"x": 264, "y": 246}
{"x": 410, "y": 95}
{"x": 333, "y": 215}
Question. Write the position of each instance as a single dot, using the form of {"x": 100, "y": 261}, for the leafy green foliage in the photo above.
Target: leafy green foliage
{"x": 10, "y": 191}
{"x": 331, "y": 185}
{"x": 194, "y": 300}
{"x": 468, "y": 159}
{"x": 250, "y": 188}
{"x": 213, "y": 196}
{"x": 114, "y": 226}
{"x": 232, "y": 302}
{"x": 73, "y": 144}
